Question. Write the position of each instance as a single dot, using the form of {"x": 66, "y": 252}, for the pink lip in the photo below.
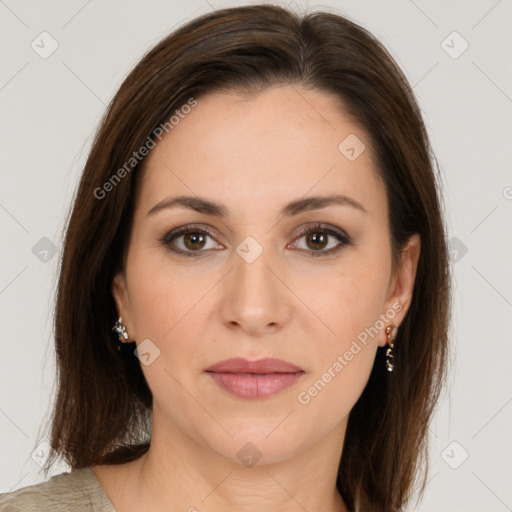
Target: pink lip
{"x": 254, "y": 379}
{"x": 241, "y": 365}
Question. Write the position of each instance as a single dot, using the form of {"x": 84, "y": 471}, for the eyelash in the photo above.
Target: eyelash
{"x": 342, "y": 237}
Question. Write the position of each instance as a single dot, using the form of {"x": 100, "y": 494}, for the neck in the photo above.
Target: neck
{"x": 185, "y": 475}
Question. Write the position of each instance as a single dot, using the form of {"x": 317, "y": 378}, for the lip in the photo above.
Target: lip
{"x": 254, "y": 379}
{"x": 241, "y": 365}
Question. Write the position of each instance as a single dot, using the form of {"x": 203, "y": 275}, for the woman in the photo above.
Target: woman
{"x": 258, "y": 228}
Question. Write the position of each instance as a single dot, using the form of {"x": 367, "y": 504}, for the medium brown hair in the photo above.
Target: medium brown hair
{"x": 103, "y": 403}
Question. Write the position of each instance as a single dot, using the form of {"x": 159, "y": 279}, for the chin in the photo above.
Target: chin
{"x": 261, "y": 441}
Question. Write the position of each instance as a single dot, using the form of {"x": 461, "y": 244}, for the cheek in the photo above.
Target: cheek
{"x": 168, "y": 307}
{"x": 344, "y": 359}
{"x": 164, "y": 309}
{"x": 160, "y": 292}
{"x": 350, "y": 303}
{"x": 347, "y": 300}
{"x": 329, "y": 398}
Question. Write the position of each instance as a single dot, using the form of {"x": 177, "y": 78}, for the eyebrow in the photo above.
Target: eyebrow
{"x": 296, "y": 207}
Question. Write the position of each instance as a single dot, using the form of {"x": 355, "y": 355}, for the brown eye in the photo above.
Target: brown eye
{"x": 316, "y": 240}
{"x": 194, "y": 241}
{"x": 190, "y": 241}
{"x": 319, "y": 237}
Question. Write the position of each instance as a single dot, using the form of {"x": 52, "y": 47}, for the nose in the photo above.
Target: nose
{"x": 255, "y": 298}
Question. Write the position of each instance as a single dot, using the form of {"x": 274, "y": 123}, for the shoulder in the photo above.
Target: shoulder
{"x": 78, "y": 490}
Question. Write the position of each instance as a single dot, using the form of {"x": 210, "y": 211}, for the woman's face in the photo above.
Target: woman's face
{"x": 257, "y": 286}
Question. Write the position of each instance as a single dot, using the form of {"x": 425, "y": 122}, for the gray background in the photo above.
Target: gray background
{"x": 50, "y": 108}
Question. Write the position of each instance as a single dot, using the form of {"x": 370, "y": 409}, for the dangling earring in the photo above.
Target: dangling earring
{"x": 120, "y": 328}
{"x": 390, "y": 339}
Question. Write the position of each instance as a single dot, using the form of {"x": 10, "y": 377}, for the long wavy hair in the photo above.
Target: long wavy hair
{"x": 102, "y": 408}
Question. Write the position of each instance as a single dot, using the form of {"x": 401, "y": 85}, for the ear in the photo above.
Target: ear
{"x": 401, "y": 286}
{"x": 122, "y": 300}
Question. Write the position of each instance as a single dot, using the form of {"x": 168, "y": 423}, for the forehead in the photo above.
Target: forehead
{"x": 284, "y": 142}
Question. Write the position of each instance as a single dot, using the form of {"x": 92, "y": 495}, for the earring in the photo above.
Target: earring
{"x": 120, "y": 328}
{"x": 390, "y": 339}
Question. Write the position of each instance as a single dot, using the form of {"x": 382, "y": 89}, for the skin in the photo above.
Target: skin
{"x": 254, "y": 155}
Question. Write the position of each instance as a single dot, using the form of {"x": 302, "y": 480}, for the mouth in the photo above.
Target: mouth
{"x": 254, "y": 379}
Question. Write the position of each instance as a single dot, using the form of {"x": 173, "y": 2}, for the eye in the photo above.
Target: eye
{"x": 192, "y": 240}
{"x": 318, "y": 237}
{"x": 189, "y": 241}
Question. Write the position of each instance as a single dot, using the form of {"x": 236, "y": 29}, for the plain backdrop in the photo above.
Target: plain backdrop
{"x": 457, "y": 56}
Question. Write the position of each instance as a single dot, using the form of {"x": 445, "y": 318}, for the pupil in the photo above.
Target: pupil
{"x": 318, "y": 239}
{"x": 194, "y": 238}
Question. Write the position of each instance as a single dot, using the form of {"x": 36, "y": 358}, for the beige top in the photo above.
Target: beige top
{"x": 78, "y": 491}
